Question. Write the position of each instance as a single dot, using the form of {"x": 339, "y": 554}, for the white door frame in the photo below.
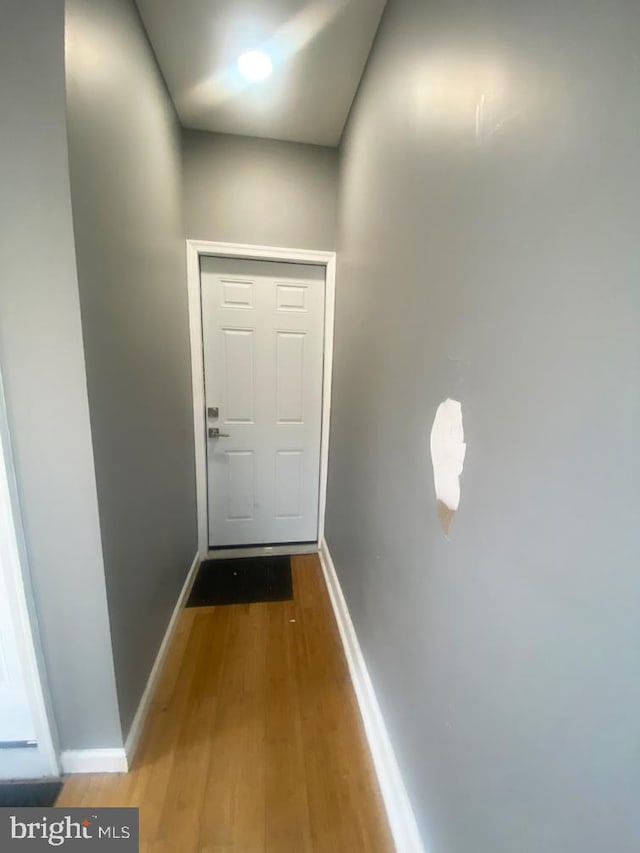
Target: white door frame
{"x": 196, "y": 248}
{"x": 25, "y": 763}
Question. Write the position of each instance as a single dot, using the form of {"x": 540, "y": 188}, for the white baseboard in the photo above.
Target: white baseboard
{"x": 133, "y": 738}
{"x": 401, "y": 818}
{"x": 94, "y": 761}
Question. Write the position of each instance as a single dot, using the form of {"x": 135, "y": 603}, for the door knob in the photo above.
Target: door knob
{"x": 214, "y": 432}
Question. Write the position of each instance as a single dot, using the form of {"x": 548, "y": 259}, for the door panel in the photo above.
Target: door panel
{"x": 237, "y": 294}
{"x": 290, "y": 377}
{"x": 240, "y": 485}
{"x": 289, "y": 483}
{"x": 237, "y": 364}
{"x": 263, "y": 337}
{"x": 291, "y": 297}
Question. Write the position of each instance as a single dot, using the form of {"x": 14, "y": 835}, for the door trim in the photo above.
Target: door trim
{"x": 14, "y": 566}
{"x": 196, "y": 248}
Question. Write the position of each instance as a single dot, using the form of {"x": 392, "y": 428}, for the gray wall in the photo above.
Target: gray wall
{"x": 42, "y": 362}
{"x": 502, "y": 271}
{"x": 244, "y": 190}
{"x": 125, "y": 182}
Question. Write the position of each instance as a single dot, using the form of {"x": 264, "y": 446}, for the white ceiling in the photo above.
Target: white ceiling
{"x": 319, "y": 49}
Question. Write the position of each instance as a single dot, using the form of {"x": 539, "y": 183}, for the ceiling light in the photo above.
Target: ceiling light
{"x": 255, "y": 65}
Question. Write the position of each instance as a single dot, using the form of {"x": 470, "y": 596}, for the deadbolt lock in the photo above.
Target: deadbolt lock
{"x": 212, "y": 412}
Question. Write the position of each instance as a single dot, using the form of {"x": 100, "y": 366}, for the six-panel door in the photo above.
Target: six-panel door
{"x": 263, "y": 327}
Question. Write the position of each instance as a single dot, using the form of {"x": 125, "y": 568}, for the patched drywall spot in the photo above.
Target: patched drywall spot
{"x": 447, "y": 455}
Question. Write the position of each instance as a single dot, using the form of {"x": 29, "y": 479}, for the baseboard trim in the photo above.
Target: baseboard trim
{"x": 399, "y": 812}
{"x": 94, "y": 761}
{"x": 133, "y": 738}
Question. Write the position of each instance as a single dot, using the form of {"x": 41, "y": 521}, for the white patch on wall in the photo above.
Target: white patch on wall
{"x": 447, "y": 455}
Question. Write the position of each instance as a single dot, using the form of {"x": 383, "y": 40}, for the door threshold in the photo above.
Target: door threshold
{"x": 262, "y": 551}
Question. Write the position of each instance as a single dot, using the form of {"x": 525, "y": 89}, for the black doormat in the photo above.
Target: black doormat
{"x": 35, "y": 794}
{"x": 244, "y": 580}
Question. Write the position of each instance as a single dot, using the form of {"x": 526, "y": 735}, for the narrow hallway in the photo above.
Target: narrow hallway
{"x": 254, "y": 740}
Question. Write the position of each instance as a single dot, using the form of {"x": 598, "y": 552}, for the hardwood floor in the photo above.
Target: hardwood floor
{"x": 254, "y": 741}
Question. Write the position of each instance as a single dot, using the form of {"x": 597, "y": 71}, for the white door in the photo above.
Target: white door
{"x": 263, "y": 337}
{"x": 16, "y": 725}
{"x": 26, "y": 749}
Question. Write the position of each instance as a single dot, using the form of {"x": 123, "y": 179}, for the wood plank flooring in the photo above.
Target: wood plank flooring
{"x": 254, "y": 741}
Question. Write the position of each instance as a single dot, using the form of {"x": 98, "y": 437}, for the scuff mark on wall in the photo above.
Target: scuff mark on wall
{"x": 447, "y": 455}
